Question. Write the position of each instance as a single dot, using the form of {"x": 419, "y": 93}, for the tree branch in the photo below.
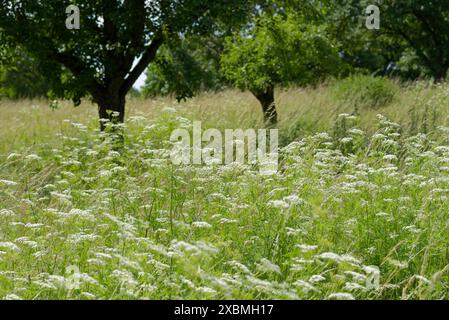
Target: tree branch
{"x": 77, "y": 67}
{"x": 148, "y": 57}
{"x": 137, "y": 32}
{"x": 421, "y": 54}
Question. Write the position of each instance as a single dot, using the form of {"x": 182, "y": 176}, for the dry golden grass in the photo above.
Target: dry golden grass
{"x": 301, "y": 111}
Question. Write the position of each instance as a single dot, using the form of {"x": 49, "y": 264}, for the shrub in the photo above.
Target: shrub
{"x": 362, "y": 91}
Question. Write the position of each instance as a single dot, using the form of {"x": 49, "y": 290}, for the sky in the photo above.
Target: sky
{"x": 140, "y": 82}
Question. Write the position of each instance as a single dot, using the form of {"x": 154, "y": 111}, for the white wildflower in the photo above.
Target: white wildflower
{"x": 12, "y": 297}
{"x": 205, "y": 290}
{"x": 13, "y": 156}
{"x": 356, "y": 276}
{"x": 239, "y": 266}
{"x": 32, "y": 157}
{"x": 80, "y": 237}
{"x": 279, "y": 204}
{"x": 201, "y": 225}
{"x": 329, "y": 256}
{"x": 4, "y": 213}
{"x": 305, "y": 286}
{"x": 227, "y": 221}
{"x": 266, "y": 265}
{"x": 316, "y": 278}
{"x": 341, "y": 296}
{"x": 33, "y": 225}
{"x": 398, "y": 264}
{"x": 352, "y": 286}
{"x": 8, "y": 183}
{"x": 10, "y": 246}
{"x": 423, "y": 279}
{"x": 306, "y": 248}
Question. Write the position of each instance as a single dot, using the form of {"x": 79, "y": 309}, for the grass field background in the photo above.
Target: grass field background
{"x": 361, "y": 194}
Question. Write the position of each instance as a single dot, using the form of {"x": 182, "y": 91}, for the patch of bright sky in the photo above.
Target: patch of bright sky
{"x": 141, "y": 81}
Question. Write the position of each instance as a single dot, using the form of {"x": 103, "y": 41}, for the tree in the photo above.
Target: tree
{"x": 364, "y": 50}
{"x": 100, "y": 58}
{"x": 19, "y": 77}
{"x": 420, "y": 25}
{"x": 187, "y": 66}
{"x": 280, "y": 48}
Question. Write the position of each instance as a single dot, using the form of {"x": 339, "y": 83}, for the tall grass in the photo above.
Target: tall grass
{"x": 358, "y": 197}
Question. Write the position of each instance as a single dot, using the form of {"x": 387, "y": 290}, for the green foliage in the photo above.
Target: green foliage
{"x": 361, "y": 91}
{"x": 185, "y": 67}
{"x": 365, "y": 50}
{"x": 410, "y": 66}
{"x": 280, "y": 50}
{"x": 424, "y": 25}
{"x": 98, "y": 59}
{"x": 19, "y": 77}
{"x": 420, "y": 25}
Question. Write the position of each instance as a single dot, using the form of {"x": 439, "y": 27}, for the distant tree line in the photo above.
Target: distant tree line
{"x": 303, "y": 42}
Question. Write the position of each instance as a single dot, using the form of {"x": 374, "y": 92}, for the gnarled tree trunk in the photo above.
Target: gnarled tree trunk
{"x": 111, "y": 108}
{"x": 266, "y": 99}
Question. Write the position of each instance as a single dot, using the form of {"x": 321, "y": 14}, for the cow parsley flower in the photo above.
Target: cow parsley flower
{"x": 201, "y": 225}
{"x": 266, "y": 265}
{"x": 8, "y": 183}
{"x": 341, "y": 296}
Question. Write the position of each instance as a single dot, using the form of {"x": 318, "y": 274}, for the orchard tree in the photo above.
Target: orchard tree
{"x": 281, "y": 48}
{"x": 115, "y": 42}
{"x": 424, "y": 25}
{"x": 187, "y": 66}
{"x": 419, "y": 25}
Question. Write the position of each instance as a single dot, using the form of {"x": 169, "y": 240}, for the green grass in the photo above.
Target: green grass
{"x": 368, "y": 196}
{"x": 361, "y": 91}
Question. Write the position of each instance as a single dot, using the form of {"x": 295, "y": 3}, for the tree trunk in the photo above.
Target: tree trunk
{"x": 112, "y": 109}
{"x": 440, "y": 74}
{"x": 266, "y": 99}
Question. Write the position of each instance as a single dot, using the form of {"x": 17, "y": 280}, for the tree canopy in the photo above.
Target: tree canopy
{"x": 19, "y": 79}
{"x": 99, "y": 59}
{"x": 424, "y": 25}
{"x": 187, "y": 66}
{"x": 187, "y": 46}
{"x": 413, "y": 33}
{"x": 287, "y": 47}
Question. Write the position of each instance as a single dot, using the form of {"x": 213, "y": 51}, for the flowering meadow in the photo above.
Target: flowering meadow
{"x": 353, "y": 212}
